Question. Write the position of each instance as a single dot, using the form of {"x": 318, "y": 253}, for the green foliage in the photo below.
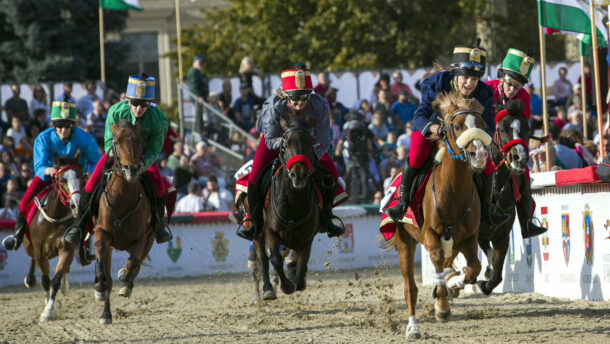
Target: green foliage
{"x": 351, "y": 34}
{"x": 44, "y": 40}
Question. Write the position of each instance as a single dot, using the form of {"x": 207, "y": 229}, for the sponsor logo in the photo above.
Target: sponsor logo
{"x": 3, "y": 257}
{"x": 565, "y": 236}
{"x": 174, "y": 253}
{"x": 219, "y": 247}
{"x": 528, "y": 251}
{"x": 347, "y": 239}
{"x": 587, "y": 226}
{"x": 544, "y": 211}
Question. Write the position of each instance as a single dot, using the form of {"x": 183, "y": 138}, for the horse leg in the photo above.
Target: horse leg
{"x": 263, "y": 261}
{"x": 406, "y": 255}
{"x": 485, "y": 246}
{"x": 439, "y": 287}
{"x": 133, "y": 265}
{"x": 301, "y": 262}
{"x": 277, "y": 260}
{"x": 103, "y": 280}
{"x": 496, "y": 262}
{"x": 30, "y": 278}
{"x": 470, "y": 250}
{"x": 62, "y": 269}
{"x": 106, "y": 317}
{"x": 45, "y": 281}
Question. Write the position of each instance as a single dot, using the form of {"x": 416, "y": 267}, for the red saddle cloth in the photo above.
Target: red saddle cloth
{"x": 30, "y": 209}
{"x": 414, "y": 214}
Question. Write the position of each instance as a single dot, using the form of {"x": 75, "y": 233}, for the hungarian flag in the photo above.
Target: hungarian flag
{"x": 120, "y": 5}
{"x": 572, "y": 17}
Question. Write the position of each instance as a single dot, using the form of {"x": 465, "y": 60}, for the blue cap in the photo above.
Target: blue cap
{"x": 197, "y": 58}
{"x": 139, "y": 88}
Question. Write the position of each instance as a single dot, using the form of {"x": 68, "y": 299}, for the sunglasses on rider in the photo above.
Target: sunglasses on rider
{"x": 300, "y": 97}
{"x": 62, "y": 124}
{"x": 139, "y": 102}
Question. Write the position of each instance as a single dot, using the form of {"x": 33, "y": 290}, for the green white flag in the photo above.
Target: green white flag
{"x": 120, "y": 5}
{"x": 572, "y": 17}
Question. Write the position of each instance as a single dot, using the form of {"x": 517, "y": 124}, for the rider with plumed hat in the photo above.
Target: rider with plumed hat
{"x": 63, "y": 139}
{"x": 467, "y": 67}
{"x": 512, "y": 76}
{"x": 137, "y": 108}
{"x": 294, "y": 99}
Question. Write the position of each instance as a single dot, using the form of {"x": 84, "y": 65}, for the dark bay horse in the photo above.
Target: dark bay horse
{"x": 510, "y": 155}
{"x": 124, "y": 218}
{"x": 292, "y": 216}
{"x": 451, "y": 207}
{"x": 47, "y": 228}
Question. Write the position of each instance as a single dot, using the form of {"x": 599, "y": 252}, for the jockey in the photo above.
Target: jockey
{"x": 295, "y": 98}
{"x": 62, "y": 139}
{"x": 467, "y": 66}
{"x": 153, "y": 127}
{"x": 512, "y": 75}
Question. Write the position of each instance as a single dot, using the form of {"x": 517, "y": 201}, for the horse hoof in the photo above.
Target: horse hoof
{"x": 44, "y": 317}
{"x": 441, "y": 316}
{"x": 121, "y": 275}
{"x": 101, "y": 296}
{"x": 125, "y": 292}
{"x": 269, "y": 295}
{"x": 288, "y": 287}
{"x": 105, "y": 321}
{"x": 413, "y": 333}
{"x": 301, "y": 286}
{"x": 29, "y": 282}
{"x": 483, "y": 287}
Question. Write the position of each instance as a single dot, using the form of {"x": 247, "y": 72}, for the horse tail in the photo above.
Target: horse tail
{"x": 389, "y": 244}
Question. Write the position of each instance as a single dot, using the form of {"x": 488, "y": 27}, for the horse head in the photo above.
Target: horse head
{"x": 512, "y": 133}
{"x": 127, "y": 149}
{"x": 466, "y": 138}
{"x": 296, "y": 150}
{"x": 68, "y": 179}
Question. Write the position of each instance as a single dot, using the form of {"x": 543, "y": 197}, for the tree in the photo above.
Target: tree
{"x": 57, "y": 40}
{"x": 349, "y": 34}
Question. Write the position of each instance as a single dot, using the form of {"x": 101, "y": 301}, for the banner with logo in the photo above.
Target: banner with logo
{"x": 571, "y": 260}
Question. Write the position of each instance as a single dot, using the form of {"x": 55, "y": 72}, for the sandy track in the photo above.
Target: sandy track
{"x": 364, "y": 306}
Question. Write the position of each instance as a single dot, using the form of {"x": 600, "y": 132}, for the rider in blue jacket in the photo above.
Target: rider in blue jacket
{"x": 62, "y": 139}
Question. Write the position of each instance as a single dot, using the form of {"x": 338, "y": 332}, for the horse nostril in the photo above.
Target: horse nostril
{"x": 516, "y": 157}
{"x": 292, "y": 174}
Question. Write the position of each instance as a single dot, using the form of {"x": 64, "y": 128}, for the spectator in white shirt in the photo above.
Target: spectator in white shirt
{"x": 215, "y": 198}
{"x": 191, "y": 203}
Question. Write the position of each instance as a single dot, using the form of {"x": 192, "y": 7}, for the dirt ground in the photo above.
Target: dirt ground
{"x": 360, "y": 306}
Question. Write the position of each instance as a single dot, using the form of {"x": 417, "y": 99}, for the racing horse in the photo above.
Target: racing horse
{"x": 510, "y": 155}
{"x": 451, "y": 207}
{"x": 124, "y": 219}
{"x": 53, "y": 215}
{"x": 292, "y": 214}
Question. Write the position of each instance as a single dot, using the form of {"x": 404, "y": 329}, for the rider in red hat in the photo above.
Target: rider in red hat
{"x": 295, "y": 98}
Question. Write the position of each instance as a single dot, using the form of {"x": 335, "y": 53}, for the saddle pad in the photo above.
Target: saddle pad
{"x": 30, "y": 208}
{"x": 413, "y": 215}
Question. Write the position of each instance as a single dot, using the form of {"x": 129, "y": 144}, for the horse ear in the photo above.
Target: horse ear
{"x": 113, "y": 129}
{"x": 283, "y": 124}
{"x": 77, "y": 155}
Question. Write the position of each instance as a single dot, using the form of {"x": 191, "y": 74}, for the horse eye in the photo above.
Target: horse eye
{"x": 458, "y": 127}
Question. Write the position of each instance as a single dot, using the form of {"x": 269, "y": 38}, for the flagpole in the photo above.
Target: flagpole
{"x": 545, "y": 115}
{"x": 102, "y": 65}
{"x": 179, "y": 39}
{"x": 598, "y": 101}
{"x": 583, "y": 96}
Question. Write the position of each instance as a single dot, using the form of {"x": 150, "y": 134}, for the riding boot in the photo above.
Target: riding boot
{"x": 72, "y": 236}
{"x": 163, "y": 233}
{"x": 329, "y": 190}
{"x": 397, "y": 212}
{"x": 524, "y": 213}
{"x": 85, "y": 254}
{"x": 489, "y": 214}
{"x": 255, "y": 219}
{"x": 12, "y": 242}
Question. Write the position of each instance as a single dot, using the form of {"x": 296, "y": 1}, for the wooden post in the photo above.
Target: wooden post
{"x": 545, "y": 115}
{"x": 179, "y": 39}
{"x": 583, "y": 96}
{"x": 102, "y": 65}
{"x": 598, "y": 100}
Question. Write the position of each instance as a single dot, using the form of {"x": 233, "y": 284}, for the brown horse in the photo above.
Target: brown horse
{"x": 47, "y": 228}
{"x": 451, "y": 207}
{"x": 124, "y": 217}
{"x": 292, "y": 216}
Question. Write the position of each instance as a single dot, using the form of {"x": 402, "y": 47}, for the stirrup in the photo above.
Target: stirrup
{"x": 10, "y": 243}
{"x": 331, "y": 224}
{"x": 240, "y": 233}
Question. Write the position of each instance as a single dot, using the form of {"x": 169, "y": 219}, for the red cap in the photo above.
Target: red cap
{"x": 501, "y": 115}
{"x": 296, "y": 80}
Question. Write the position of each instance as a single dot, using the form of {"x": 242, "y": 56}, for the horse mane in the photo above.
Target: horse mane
{"x": 448, "y": 103}
{"x": 65, "y": 160}
{"x": 514, "y": 107}
{"x": 124, "y": 124}
{"x": 293, "y": 122}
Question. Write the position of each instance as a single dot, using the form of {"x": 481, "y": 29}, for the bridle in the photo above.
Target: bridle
{"x": 463, "y": 154}
{"x": 506, "y": 147}
{"x": 120, "y": 167}
{"x": 287, "y": 164}
{"x": 64, "y": 196}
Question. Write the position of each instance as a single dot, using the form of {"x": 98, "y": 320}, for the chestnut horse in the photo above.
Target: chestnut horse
{"x": 47, "y": 229}
{"x": 292, "y": 216}
{"x": 124, "y": 217}
{"x": 451, "y": 207}
{"x": 510, "y": 155}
